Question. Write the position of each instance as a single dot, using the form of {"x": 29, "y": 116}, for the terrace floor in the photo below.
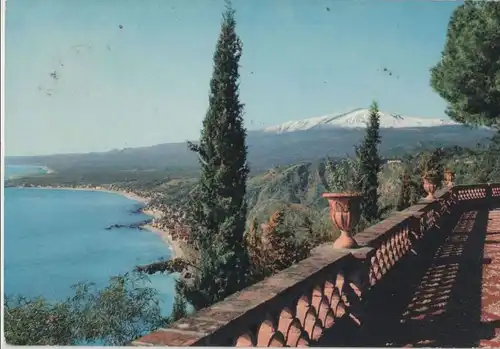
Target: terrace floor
{"x": 447, "y": 297}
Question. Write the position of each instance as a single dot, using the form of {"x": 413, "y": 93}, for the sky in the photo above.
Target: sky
{"x": 97, "y": 75}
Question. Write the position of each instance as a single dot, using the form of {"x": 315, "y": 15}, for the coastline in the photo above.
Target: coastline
{"x": 128, "y": 195}
{"x": 165, "y": 236}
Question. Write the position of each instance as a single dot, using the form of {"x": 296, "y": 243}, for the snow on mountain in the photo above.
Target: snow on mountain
{"x": 357, "y": 118}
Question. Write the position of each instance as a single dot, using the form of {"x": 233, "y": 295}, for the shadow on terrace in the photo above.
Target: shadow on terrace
{"x": 426, "y": 276}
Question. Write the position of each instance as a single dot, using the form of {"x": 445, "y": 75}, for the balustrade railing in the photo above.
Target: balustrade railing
{"x": 296, "y": 306}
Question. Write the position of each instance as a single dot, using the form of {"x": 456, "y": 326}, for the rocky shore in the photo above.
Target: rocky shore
{"x": 138, "y": 225}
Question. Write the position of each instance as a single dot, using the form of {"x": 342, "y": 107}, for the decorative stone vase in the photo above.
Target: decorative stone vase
{"x": 449, "y": 177}
{"x": 345, "y": 213}
{"x": 429, "y": 187}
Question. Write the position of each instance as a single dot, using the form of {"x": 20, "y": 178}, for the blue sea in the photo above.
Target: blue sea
{"x": 56, "y": 238}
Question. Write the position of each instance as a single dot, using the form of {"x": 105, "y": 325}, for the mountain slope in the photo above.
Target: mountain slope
{"x": 292, "y": 142}
{"x": 357, "y": 118}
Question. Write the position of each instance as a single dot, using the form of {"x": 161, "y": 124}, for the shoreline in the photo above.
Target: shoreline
{"x": 165, "y": 236}
{"x": 126, "y": 194}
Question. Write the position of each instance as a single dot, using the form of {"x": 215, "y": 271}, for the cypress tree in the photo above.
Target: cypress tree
{"x": 218, "y": 210}
{"x": 370, "y": 166}
{"x": 179, "y": 308}
{"x": 404, "y": 199}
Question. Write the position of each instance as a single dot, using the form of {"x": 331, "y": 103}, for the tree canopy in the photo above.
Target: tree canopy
{"x": 113, "y": 315}
{"x": 468, "y": 74}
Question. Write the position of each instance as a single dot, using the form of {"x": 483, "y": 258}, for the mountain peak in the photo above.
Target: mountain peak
{"x": 357, "y": 118}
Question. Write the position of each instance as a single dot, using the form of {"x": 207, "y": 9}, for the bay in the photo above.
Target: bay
{"x": 55, "y": 238}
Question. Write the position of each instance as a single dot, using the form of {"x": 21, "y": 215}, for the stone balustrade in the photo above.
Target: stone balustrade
{"x": 325, "y": 294}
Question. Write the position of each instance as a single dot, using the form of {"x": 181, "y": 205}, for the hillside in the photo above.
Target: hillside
{"x": 297, "y": 184}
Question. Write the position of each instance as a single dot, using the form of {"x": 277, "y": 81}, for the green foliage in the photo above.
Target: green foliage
{"x": 389, "y": 187}
{"x": 479, "y": 165}
{"x": 209, "y": 283}
{"x": 492, "y": 159}
{"x": 179, "y": 308}
{"x": 114, "y": 315}
{"x": 218, "y": 208}
{"x": 431, "y": 165}
{"x": 343, "y": 176}
{"x": 168, "y": 182}
{"x": 276, "y": 245}
{"x": 361, "y": 173}
{"x": 298, "y": 184}
{"x": 369, "y": 159}
{"x": 468, "y": 74}
{"x": 404, "y": 200}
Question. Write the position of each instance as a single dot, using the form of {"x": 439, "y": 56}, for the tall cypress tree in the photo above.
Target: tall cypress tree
{"x": 218, "y": 211}
{"x": 370, "y": 166}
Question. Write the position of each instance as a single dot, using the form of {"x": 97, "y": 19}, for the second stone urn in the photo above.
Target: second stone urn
{"x": 449, "y": 177}
{"x": 429, "y": 187}
{"x": 345, "y": 214}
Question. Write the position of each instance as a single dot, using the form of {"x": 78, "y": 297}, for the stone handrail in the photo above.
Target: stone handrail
{"x": 325, "y": 291}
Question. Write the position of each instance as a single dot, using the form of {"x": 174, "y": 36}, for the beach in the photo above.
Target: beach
{"x": 164, "y": 234}
{"x": 174, "y": 245}
{"x": 128, "y": 195}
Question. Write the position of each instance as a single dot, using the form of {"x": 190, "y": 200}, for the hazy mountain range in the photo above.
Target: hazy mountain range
{"x": 287, "y": 143}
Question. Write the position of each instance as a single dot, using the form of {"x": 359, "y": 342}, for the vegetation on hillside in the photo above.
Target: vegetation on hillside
{"x": 245, "y": 229}
{"x": 113, "y": 315}
{"x": 133, "y": 179}
{"x": 344, "y": 176}
{"x": 274, "y": 245}
{"x": 404, "y": 198}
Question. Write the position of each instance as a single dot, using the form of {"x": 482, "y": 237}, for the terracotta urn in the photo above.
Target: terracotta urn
{"x": 449, "y": 177}
{"x": 345, "y": 214}
{"x": 429, "y": 187}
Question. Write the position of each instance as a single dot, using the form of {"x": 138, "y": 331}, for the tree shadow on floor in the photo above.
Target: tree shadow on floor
{"x": 433, "y": 299}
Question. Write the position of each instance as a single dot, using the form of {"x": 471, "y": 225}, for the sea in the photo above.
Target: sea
{"x": 54, "y": 239}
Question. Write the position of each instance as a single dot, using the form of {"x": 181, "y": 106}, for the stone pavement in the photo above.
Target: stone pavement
{"x": 450, "y": 297}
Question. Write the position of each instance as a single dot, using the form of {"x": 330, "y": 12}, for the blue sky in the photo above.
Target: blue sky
{"x": 147, "y": 83}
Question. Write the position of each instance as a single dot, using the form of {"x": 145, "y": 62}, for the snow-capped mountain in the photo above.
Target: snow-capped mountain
{"x": 357, "y": 118}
